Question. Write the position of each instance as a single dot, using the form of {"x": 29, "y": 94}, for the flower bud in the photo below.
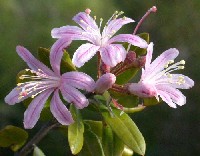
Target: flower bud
{"x": 104, "y": 83}
{"x": 130, "y": 57}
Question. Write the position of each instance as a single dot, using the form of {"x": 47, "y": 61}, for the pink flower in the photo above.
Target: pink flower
{"x": 157, "y": 79}
{"x": 111, "y": 53}
{"x": 44, "y": 81}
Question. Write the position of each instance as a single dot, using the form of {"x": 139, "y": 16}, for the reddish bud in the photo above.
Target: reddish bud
{"x": 87, "y": 11}
{"x": 154, "y": 9}
{"x": 104, "y": 83}
{"x": 130, "y": 57}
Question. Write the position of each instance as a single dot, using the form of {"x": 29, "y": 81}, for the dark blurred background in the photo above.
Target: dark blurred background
{"x": 167, "y": 131}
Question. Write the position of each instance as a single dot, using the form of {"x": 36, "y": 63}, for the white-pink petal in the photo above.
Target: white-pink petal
{"x": 79, "y": 80}
{"x": 166, "y": 98}
{"x": 132, "y": 39}
{"x": 59, "y": 110}
{"x": 84, "y": 53}
{"x": 56, "y": 53}
{"x": 32, "y": 113}
{"x": 72, "y": 95}
{"x": 159, "y": 63}
{"x": 32, "y": 62}
{"x": 113, "y": 54}
{"x": 188, "y": 82}
{"x": 114, "y": 25}
{"x": 149, "y": 55}
{"x": 176, "y": 96}
{"x": 86, "y": 22}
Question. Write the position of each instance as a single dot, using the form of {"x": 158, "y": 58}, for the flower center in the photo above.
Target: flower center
{"x": 36, "y": 83}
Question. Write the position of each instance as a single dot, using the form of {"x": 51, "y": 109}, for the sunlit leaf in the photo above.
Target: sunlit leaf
{"x": 118, "y": 145}
{"x": 126, "y": 130}
{"x": 127, "y": 151}
{"x": 95, "y": 126}
{"x": 37, "y": 152}
{"x": 13, "y": 137}
{"x": 75, "y": 131}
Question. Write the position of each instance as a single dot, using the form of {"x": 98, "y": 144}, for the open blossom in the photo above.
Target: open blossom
{"x": 157, "y": 79}
{"x": 44, "y": 81}
{"x": 111, "y": 53}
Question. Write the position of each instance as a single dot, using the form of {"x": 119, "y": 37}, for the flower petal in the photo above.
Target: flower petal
{"x": 86, "y": 22}
{"x": 72, "y": 95}
{"x": 56, "y": 53}
{"x": 84, "y": 53}
{"x": 59, "y": 110}
{"x": 32, "y": 114}
{"x": 79, "y": 80}
{"x": 73, "y": 32}
{"x": 176, "y": 96}
{"x": 114, "y": 25}
{"x": 166, "y": 98}
{"x": 32, "y": 62}
{"x": 132, "y": 39}
{"x": 149, "y": 55}
{"x": 113, "y": 54}
{"x": 189, "y": 83}
{"x": 13, "y": 97}
{"x": 159, "y": 63}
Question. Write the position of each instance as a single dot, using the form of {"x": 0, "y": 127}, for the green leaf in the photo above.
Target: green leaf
{"x": 13, "y": 137}
{"x": 126, "y": 130}
{"x": 75, "y": 131}
{"x": 37, "y": 152}
{"x": 95, "y": 126}
{"x": 125, "y": 100}
{"x": 66, "y": 63}
{"x": 151, "y": 101}
{"x": 92, "y": 144}
{"x": 43, "y": 56}
{"x": 118, "y": 145}
{"x": 107, "y": 140}
{"x": 126, "y": 76}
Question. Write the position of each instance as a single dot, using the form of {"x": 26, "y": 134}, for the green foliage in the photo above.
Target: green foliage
{"x": 75, "y": 131}
{"x": 66, "y": 62}
{"x": 126, "y": 130}
{"x": 13, "y": 137}
{"x": 37, "y": 152}
{"x": 92, "y": 144}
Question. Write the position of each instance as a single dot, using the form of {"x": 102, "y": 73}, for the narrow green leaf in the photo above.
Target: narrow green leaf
{"x": 13, "y": 137}
{"x": 107, "y": 140}
{"x": 37, "y": 152}
{"x": 92, "y": 144}
{"x": 118, "y": 145}
{"x": 43, "y": 56}
{"x": 75, "y": 131}
{"x": 126, "y": 130}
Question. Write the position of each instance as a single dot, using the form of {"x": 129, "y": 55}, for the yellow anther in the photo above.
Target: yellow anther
{"x": 182, "y": 62}
{"x": 113, "y": 31}
{"x": 81, "y": 21}
{"x": 124, "y": 18}
{"x": 171, "y": 61}
{"x": 165, "y": 66}
{"x": 95, "y": 17}
{"x": 101, "y": 19}
{"x": 169, "y": 75}
{"x": 181, "y": 78}
{"x": 181, "y": 67}
{"x": 27, "y": 69}
{"x": 116, "y": 12}
{"x": 121, "y": 12}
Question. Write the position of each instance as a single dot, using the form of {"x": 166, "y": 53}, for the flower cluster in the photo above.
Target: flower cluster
{"x": 42, "y": 83}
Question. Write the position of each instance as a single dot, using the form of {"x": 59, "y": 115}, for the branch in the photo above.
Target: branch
{"x": 37, "y": 138}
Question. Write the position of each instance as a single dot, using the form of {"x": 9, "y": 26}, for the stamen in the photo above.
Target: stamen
{"x": 95, "y": 17}
{"x": 87, "y": 11}
{"x": 101, "y": 20}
